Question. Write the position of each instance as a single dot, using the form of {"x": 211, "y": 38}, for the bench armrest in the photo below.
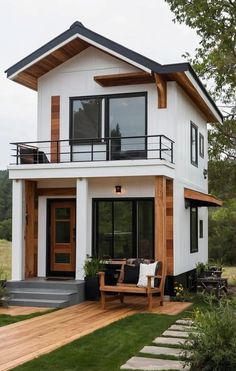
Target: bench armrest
{"x": 154, "y": 276}
{"x": 101, "y": 276}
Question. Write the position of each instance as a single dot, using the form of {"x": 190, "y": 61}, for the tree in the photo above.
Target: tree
{"x": 215, "y": 61}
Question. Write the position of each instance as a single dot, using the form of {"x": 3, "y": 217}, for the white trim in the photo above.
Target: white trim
{"x": 203, "y": 96}
{"x": 99, "y": 46}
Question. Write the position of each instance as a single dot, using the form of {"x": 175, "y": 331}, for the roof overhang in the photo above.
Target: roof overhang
{"x": 199, "y": 199}
{"x": 77, "y": 38}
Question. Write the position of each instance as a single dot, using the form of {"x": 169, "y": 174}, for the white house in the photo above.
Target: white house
{"x": 119, "y": 168}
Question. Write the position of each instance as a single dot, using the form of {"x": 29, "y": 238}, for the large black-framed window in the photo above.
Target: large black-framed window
{"x": 123, "y": 228}
{"x": 193, "y": 229}
{"x": 116, "y": 116}
{"x": 194, "y": 144}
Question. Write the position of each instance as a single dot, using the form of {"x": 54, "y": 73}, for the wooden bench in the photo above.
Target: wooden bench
{"x": 120, "y": 289}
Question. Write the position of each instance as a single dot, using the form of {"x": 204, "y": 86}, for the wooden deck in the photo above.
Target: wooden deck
{"x": 25, "y": 340}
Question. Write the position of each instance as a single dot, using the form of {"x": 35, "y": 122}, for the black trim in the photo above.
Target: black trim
{"x": 193, "y": 243}
{"x": 134, "y": 200}
{"x": 194, "y": 128}
{"x": 78, "y": 28}
{"x": 50, "y": 273}
{"x": 201, "y": 145}
{"x": 201, "y": 228}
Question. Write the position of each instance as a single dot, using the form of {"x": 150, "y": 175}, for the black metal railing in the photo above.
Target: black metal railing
{"x": 94, "y": 149}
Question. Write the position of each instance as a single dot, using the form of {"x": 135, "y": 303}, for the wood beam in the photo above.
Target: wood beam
{"x": 204, "y": 199}
{"x": 161, "y": 90}
{"x": 56, "y": 191}
{"x": 55, "y": 128}
{"x": 169, "y": 227}
{"x": 160, "y": 220}
{"x": 31, "y": 229}
{"x": 132, "y": 78}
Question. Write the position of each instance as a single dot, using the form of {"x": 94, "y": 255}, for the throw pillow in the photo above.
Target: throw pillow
{"x": 146, "y": 270}
{"x": 131, "y": 274}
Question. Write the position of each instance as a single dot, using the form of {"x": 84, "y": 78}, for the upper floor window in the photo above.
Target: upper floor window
{"x": 201, "y": 145}
{"x": 194, "y": 144}
{"x": 193, "y": 229}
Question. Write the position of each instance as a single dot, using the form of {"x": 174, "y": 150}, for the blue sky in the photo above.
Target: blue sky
{"x": 25, "y": 25}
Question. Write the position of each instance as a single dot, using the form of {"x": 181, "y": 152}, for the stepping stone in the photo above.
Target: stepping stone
{"x": 141, "y": 363}
{"x": 186, "y": 322}
{"x": 175, "y": 352}
{"x": 176, "y": 334}
{"x": 170, "y": 341}
{"x": 181, "y": 328}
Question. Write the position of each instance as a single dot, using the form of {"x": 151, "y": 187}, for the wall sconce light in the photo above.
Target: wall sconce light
{"x": 205, "y": 172}
{"x": 118, "y": 189}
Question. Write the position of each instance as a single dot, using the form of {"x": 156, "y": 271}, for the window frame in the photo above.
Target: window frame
{"x": 193, "y": 247}
{"x": 194, "y": 128}
{"x": 105, "y": 129}
{"x": 201, "y": 145}
{"x": 134, "y": 201}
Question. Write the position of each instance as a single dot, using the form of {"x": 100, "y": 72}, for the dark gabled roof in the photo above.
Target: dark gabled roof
{"x": 78, "y": 28}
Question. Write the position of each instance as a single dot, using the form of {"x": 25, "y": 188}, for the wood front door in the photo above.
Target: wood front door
{"x": 62, "y": 237}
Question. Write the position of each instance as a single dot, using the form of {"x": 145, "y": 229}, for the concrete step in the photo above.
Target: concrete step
{"x": 170, "y": 341}
{"x": 142, "y": 363}
{"x": 160, "y": 351}
{"x": 39, "y": 303}
{"x": 41, "y": 284}
{"x": 176, "y": 334}
{"x": 41, "y": 294}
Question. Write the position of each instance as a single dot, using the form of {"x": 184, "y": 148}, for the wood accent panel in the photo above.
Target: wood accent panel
{"x": 132, "y": 78}
{"x": 161, "y": 90}
{"x": 31, "y": 229}
{"x": 192, "y": 93}
{"x": 26, "y": 340}
{"x": 56, "y": 191}
{"x": 55, "y": 128}
{"x": 29, "y": 77}
{"x": 169, "y": 227}
{"x": 203, "y": 198}
{"x": 160, "y": 220}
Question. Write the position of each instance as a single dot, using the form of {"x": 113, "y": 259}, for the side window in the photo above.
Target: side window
{"x": 194, "y": 144}
{"x": 201, "y": 145}
{"x": 193, "y": 229}
{"x": 201, "y": 228}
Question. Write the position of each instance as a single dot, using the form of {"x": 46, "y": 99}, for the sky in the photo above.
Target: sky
{"x": 144, "y": 26}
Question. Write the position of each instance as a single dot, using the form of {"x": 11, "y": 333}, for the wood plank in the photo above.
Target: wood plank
{"x": 160, "y": 219}
{"x": 131, "y": 78}
{"x": 55, "y": 128}
{"x": 161, "y": 90}
{"x": 23, "y": 341}
{"x": 31, "y": 216}
{"x": 208, "y": 199}
{"x": 169, "y": 226}
{"x": 56, "y": 191}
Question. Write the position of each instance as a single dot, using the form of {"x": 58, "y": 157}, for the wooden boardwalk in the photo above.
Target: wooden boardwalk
{"x": 25, "y": 340}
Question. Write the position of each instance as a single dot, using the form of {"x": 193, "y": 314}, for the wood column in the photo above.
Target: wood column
{"x": 161, "y": 90}
{"x": 55, "y": 128}
{"x": 169, "y": 227}
{"x": 160, "y": 221}
{"x": 31, "y": 229}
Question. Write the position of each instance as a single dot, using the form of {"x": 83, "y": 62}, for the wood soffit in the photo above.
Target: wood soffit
{"x": 201, "y": 199}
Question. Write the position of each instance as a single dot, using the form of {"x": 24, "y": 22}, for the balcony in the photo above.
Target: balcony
{"x": 151, "y": 147}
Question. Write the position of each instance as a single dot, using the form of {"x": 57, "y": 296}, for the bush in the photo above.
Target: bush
{"x": 213, "y": 345}
{"x": 6, "y": 229}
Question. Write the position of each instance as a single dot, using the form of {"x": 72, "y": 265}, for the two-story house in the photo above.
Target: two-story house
{"x": 119, "y": 168}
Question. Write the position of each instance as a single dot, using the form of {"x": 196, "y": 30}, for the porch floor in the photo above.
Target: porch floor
{"x": 25, "y": 340}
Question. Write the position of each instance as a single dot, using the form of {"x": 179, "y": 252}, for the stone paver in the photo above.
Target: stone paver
{"x": 186, "y": 322}
{"x": 170, "y": 341}
{"x": 142, "y": 363}
{"x": 176, "y": 334}
{"x": 174, "y": 352}
{"x": 181, "y": 328}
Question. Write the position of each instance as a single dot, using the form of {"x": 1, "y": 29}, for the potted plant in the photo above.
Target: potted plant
{"x": 91, "y": 268}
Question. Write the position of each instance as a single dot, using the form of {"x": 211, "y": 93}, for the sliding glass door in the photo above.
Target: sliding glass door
{"x": 123, "y": 228}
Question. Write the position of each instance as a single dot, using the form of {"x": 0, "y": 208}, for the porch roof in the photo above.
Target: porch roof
{"x": 195, "y": 198}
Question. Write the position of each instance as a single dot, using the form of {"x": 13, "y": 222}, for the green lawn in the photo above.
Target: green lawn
{"x": 5, "y": 319}
{"x": 5, "y": 259}
{"x": 105, "y": 349}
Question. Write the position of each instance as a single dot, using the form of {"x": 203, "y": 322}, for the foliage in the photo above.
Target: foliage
{"x": 5, "y": 259}
{"x": 105, "y": 349}
{"x": 200, "y": 268}
{"x": 6, "y": 319}
{"x": 92, "y": 266}
{"x": 213, "y": 344}
{"x": 5, "y": 206}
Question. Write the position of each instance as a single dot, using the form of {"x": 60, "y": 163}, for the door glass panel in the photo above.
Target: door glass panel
{"x": 123, "y": 229}
{"x": 86, "y": 116}
{"x": 127, "y": 118}
{"x": 145, "y": 229}
{"x": 62, "y": 232}
{"x": 62, "y": 258}
{"x": 63, "y": 213}
{"x": 104, "y": 229}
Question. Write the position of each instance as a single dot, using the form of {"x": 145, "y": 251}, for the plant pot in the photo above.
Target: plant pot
{"x": 92, "y": 291}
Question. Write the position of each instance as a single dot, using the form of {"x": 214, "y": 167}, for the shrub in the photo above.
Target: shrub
{"x": 213, "y": 345}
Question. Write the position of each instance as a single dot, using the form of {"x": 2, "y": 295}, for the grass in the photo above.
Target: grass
{"x": 105, "y": 349}
{"x": 5, "y": 259}
{"x": 6, "y": 319}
